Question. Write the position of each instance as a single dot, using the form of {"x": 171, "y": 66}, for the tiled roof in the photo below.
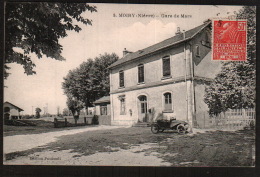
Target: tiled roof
{"x": 20, "y": 109}
{"x": 104, "y": 99}
{"x": 168, "y": 42}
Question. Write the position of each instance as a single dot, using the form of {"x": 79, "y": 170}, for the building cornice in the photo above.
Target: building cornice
{"x": 161, "y": 83}
{"x": 161, "y": 48}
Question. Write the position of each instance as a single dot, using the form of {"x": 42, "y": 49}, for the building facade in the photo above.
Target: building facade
{"x": 167, "y": 79}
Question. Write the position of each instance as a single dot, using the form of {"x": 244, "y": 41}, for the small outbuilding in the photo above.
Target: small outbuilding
{"x": 11, "y": 111}
{"x": 103, "y": 110}
{"x": 102, "y": 106}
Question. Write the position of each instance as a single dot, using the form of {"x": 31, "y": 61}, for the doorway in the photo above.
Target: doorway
{"x": 142, "y": 108}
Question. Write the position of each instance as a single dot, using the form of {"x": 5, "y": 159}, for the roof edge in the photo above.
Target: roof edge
{"x": 14, "y": 105}
{"x": 184, "y": 40}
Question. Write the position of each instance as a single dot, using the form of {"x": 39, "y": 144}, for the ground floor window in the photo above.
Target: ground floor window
{"x": 122, "y": 105}
{"x": 103, "y": 110}
{"x": 168, "y": 101}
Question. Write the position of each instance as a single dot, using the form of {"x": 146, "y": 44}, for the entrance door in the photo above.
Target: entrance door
{"x": 142, "y": 108}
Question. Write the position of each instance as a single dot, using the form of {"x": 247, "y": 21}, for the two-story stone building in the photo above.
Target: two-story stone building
{"x": 167, "y": 79}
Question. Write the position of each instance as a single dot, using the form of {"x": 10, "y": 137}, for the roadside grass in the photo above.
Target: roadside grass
{"x": 213, "y": 148}
{"x": 41, "y": 127}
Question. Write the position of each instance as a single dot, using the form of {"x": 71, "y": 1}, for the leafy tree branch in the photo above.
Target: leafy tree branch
{"x": 37, "y": 27}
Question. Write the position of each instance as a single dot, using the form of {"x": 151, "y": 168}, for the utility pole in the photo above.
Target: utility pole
{"x": 58, "y": 110}
{"x": 46, "y": 108}
{"x": 189, "y": 101}
{"x": 185, "y": 76}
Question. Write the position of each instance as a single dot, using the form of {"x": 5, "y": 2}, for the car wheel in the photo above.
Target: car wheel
{"x": 181, "y": 129}
{"x": 155, "y": 128}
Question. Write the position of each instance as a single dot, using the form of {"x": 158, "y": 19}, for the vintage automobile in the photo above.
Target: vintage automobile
{"x": 177, "y": 125}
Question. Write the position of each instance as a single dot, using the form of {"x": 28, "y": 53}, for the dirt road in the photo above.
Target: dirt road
{"x": 135, "y": 156}
{"x": 24, "y": 142}
{"x": 137, "y": 146}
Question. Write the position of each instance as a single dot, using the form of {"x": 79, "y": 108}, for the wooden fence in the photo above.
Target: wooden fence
{"x": 69, "y": 121}
{"x": 233, "y": 119}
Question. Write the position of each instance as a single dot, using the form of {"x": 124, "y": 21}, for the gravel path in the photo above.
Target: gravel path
{"x": 24, "y": 142}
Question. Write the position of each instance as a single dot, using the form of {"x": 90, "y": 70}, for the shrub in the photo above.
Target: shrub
{"x": 95, "y": 120}
{"x": 252, "y": 125}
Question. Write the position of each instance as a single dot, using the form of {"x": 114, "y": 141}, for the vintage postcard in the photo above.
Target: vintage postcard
{"x": 129, "y": 85}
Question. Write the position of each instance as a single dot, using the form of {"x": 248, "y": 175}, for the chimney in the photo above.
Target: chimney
{"x": 178, "y": 31}
{"x": 206, "y": 21}
{"x": 125, "y": 52}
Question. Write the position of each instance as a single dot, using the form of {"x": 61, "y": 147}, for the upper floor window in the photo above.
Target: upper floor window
{"x": 6, "y": 109}
{"x": 121, "y": 79}
{"x": 166, "y": 66}
{"x": 140, "y": 73}
{"x": 167, "y": 101}
{"x": 197, "y": 50}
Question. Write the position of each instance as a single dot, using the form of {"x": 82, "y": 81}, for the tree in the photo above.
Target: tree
{"x": 234, "y": 87}
{"x": 58, "y": 111}
{"x": 66, "y": 112}
{"x": 37, "y": 27}
{"x": 90, "y": 81}
{"x": 37, "y": 112}
{"x": 74, "y": 106}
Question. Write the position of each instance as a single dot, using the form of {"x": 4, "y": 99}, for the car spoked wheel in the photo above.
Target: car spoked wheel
{"x": 181, "y": 129}
{"x": 155, "y": 128}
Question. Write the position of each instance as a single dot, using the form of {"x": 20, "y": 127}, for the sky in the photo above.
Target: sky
{"x": 109, "y": 33}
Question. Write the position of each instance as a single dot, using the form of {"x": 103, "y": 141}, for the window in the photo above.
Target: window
{"x": 122, "y": 105}
{"x": 167, "y": 101}
{"x": 6, "y": 109}
{"x": 121, "y": 79}
{"x": 140, "y": 73}
{"x": 166, "y": 66}
{"x": 103, "y": 110}
{"x": 197, "y": 50}
{"x": 143, "y": 104}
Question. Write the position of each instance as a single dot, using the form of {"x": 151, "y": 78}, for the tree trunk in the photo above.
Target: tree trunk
{"x": 76, "y": 121}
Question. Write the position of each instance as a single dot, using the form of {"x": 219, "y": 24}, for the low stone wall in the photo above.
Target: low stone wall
{"x": 83, "y": 120}
{"x": 69, "y": 121}
{"x": 104, "y": 119}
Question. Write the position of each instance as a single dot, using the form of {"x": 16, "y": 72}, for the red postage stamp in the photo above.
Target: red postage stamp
{"x": 229, "y": 40}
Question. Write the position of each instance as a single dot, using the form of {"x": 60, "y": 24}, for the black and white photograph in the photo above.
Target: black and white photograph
{"x": 103, "y": 84}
